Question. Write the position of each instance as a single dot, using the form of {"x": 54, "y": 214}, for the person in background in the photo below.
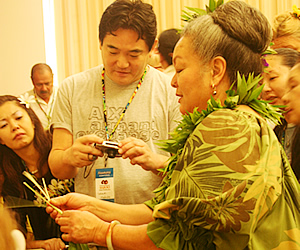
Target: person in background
{"x": 228, "y": 184}
{"x": 43, "y": 92}
{"x": 286, "y": 30}
{"x": 24, "y": 147}
{"x": 291, "y": 100}
{"x": 124, "y": 101}
{"x": 275, "y": 85}
{"x": 165, "y": 47}
{"x": 278, "y": 66}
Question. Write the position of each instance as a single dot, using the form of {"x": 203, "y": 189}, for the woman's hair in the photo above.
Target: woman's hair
{"x": 134, "y": 15}
{"x": 286, "y": 24}
{"x": 237, "y": 32}
{"x": 288, "y": 56}
{"x": 11, "y": 166}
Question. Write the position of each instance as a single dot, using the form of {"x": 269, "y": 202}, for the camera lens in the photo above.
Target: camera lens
{"x": 111, "y": 153}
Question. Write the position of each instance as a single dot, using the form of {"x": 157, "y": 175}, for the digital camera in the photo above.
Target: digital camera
{"x": 109, "y": 148}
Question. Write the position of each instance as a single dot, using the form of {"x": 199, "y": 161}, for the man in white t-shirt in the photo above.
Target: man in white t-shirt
{"x": 43, "y": 92}
{"x": 125, "y": 101}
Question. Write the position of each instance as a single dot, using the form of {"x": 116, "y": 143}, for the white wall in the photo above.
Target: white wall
{"x": 21, "y": 43}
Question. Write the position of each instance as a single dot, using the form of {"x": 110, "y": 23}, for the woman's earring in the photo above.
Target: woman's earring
{"x": 214, "y": 89}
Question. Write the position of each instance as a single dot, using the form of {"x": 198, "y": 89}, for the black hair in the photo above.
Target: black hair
{"x": 166, "y": 43}
{"x": 11, "y": 166}
{"x": 134, "y": 15}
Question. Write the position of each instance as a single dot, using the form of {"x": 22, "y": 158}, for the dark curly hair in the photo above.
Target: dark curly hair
{"x": 134, "y": 15}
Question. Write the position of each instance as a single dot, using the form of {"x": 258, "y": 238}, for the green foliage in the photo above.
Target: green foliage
{"x": 73, "y": 246}
{"x": 193, "y": 13}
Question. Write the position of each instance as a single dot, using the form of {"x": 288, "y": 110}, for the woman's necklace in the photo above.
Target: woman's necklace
{"x": 27, "y": 169}
{"x": 48, "y": 116}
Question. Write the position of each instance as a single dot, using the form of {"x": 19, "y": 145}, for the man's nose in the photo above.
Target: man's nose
{"x": 122, "y": 62}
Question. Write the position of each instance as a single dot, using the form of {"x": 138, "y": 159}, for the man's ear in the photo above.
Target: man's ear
{"x": 153, "y": 49}
{"x": 218, "y": 69}
{"x": 100, "y": 45}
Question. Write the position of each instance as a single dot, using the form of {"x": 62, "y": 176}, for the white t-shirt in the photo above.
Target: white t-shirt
{"x": 150, "y": 117}
{"x": 41, "y": 108}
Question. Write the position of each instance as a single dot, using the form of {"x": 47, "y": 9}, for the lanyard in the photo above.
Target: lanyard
{"x": 108, "y": 137}
{"x": 48, "y": 116}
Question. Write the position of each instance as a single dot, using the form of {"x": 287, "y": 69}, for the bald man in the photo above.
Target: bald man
{"x": 43, "y": 91}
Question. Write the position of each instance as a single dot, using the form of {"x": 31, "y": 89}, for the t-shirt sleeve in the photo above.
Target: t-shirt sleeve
{"x": 62, "y": 111}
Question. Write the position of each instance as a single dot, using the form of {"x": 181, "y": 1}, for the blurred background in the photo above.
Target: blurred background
{"x": 64, "y": 34}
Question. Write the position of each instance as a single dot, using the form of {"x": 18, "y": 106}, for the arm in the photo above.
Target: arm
{"x": 65, "y": 156}
{"x": 128, "y": 214}
{"x": 84, "y": 227}
{"x": 139, "y": 153}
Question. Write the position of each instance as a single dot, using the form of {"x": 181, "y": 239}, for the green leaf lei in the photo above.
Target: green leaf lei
{"x": 193, "y": 13}
{"x": 246, "y": 93}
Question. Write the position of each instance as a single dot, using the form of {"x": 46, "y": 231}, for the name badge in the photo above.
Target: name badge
{"x": 105, "y": 184}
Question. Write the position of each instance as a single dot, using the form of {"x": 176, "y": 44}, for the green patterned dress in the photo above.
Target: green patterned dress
{"x": 231, "y": 188}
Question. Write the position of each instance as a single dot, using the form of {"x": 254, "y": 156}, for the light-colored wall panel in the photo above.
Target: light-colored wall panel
{"x": 21, "y": 43}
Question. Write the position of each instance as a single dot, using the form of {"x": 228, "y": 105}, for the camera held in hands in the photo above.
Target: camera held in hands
{"x": 109, "y": 148}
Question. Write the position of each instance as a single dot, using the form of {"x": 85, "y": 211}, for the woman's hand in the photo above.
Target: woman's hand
{"x": 139, "y": 153}
{"x": 71, "y": 201}
{"x": 50, "y": 244}
{"x": 82, "y": 227}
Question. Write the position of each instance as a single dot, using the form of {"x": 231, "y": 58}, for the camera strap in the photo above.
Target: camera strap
{"x": 108, "y": 137}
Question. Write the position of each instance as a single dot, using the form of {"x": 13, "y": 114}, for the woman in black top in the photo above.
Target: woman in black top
{"x": 25, "y": 146}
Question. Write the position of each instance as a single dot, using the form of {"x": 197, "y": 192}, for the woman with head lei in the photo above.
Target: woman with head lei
{"x": 286, "y": 30}
{"x": 291, "y": 100}
{"x": 25, "y": 146}
{"x": 228, "y": 184}
{"x": 276, "y": 73}
{"x": 275, "y": 85}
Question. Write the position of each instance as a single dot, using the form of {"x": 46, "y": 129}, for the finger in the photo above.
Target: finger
{"x": 140, "y": 160}
{"x": 90, "y": 139}
{"x": 125, "y": 141}
{"x": 60, "y": 201}
{"x": 133, "y": 152}
{"x": 130, "y": 142}
{"x": 66, "y": 237}
{"x": 61, "y": 244}
{"x": 49, "y": 209}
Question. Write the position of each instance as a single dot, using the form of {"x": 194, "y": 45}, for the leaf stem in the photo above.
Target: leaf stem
{"x": 40, "y": 196}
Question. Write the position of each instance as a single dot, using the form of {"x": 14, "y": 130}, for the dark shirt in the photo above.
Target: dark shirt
{"x": 43, "y": 226}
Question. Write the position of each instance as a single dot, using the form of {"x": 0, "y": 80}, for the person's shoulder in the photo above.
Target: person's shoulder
{"x": 28, "y": 92}
{"x": 88, "y": 73}
{"x": 159, "y": 74}
{"x": 159, "y": 78}
{"x": 92, "y": 74}
{"x": 225, "y": 116}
